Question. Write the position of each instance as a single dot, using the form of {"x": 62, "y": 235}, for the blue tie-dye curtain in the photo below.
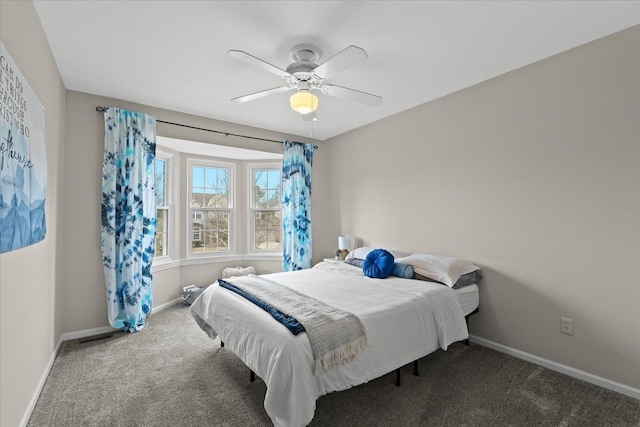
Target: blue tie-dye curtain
{"x": 296, "y": 206}
{"x": 128, "y": 216}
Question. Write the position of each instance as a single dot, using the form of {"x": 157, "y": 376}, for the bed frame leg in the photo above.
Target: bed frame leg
{"x": 398, "y": 377}
{"x": 221, "y": 344}
{"x": 466, "y": 319}
{"x": 415, "y": 368}
{"x": 252, "y": 378}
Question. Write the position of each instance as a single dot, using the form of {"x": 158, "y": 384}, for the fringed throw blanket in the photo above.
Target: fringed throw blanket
{"x": 336, "y": 336}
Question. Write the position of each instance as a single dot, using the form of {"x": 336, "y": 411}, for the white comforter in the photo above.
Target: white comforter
{"x": 405, "y": 320}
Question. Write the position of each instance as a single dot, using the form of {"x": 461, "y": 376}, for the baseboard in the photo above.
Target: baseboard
{"x": 564, "y": 369}
{"x": 73, "y": 336}
{"x": 106, "y": 329}
{"x": 167, "y": 304}
{"x": 36, "y": 393}
{"x": 86, "y": 333}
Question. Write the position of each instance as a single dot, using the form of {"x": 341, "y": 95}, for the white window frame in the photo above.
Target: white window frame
{"x": 168, "y": 207}
{"x": 191, "y": 162}
{"x": 251, "y": 167}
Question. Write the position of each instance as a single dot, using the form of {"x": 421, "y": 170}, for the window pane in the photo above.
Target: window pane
{"x": 197, "y": 241}
{"x": 210, "y": 232}
{"x": 223, "y": 178}
{"x": 208, "y": 241}
{"x": 162, "y": 213}
{"x": 267, "y": 230}
{"x": 210, "y": 190}
{"x": 223, "y": 199}
{"x": 210, "y": 187}
{"x": 160, "y": 217}
{"x": 267, "y": 204}
{"x": 197, "y": 198}
{"x": 260, "y": 178}
{"x": 274, "y": 198}
{"x": 274, "y": 178}
{"x": 259, "y": 189}
{"x": 223, "y": 241}
{"x": 197, "y": 186}
{"x": 266, "y": 190}
{"x": 161, "y": 233}
{"x": 278, "y": 198}
{"x": 197, "y": 176}
{"x": 160, "y": 182}
{"x": 210, "y": 179}
{"x": 260, "y": 197}
{"x": 209, "y": 200}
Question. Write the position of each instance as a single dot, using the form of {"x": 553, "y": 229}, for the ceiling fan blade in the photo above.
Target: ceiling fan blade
{"x": 261, "y": 94}
{"x": 340, "y": 61}
{"x": 257, "y": 62}
{"x": 352, "y": 95}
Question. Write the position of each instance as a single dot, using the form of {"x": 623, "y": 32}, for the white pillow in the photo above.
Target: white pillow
{"x": 442, "y": 269}
{"x": 237, "y": 271}
{"x": 361, "y": 253}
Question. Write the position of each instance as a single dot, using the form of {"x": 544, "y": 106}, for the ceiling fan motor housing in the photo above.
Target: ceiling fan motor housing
{"x": 304, "y": 57}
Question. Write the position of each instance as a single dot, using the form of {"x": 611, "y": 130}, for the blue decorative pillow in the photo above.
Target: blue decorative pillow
{"x": 378, "y": 264}
{"x": 402, "y": 270}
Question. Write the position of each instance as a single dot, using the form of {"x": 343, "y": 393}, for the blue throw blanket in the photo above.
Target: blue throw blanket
{"x": 287, "y": 321}
{"x": 336, "y": 336}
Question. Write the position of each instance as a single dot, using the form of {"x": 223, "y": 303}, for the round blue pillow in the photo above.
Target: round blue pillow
{"x": 378, "y": 264}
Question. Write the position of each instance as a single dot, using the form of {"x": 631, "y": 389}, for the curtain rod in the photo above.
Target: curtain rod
{"x": 100, "y": 109}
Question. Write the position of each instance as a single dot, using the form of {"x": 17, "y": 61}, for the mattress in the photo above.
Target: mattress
{"x": 468, "y": 297}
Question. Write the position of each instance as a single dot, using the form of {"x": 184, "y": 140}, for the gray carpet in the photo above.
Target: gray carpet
{"x": 172, "y": 374}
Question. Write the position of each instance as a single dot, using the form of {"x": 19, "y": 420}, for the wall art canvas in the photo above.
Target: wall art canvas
{"x": 23, "y": 161}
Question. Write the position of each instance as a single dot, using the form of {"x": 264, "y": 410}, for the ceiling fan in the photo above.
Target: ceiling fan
{"x": 306, "y": 76}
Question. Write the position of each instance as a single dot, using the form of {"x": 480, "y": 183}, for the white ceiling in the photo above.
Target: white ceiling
{"x": 173, "y": 54}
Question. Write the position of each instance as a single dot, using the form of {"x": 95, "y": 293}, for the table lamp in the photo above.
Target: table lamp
{"x": 343, "y": 246}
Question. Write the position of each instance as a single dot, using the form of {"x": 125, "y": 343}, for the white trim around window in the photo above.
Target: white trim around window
{"x": 251, "y": 210}
{"x": 230, "y": 209}
{"x": 169, "y": 209}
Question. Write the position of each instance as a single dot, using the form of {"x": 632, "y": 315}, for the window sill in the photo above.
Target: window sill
{"x": 264, "y": 255}
{"x": 164, "y": 263}
{"x": 231, "y": 258}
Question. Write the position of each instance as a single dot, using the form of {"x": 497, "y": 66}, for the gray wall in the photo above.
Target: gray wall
{"x": 533, "y": 175}
{"x": 85, "y": 306}
{"x": 30, "y": 278}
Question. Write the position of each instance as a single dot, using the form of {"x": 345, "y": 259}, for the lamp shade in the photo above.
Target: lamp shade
{"x": 343, "y": 242}
{"x": 303, "y": 102}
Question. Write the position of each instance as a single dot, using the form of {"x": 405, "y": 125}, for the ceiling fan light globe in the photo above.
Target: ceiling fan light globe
{"x": 303, "y": 102}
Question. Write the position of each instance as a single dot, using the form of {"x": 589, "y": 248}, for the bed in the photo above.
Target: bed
{"x": 405, "y": 320}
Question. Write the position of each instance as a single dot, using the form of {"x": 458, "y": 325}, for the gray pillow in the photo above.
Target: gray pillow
{"x": 464, "y": 280}
{"x": 357, "y": 262}
{"x": 468, "y": 279}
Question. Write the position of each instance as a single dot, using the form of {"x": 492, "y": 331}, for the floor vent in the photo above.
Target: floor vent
{"x": 95, "y": 338}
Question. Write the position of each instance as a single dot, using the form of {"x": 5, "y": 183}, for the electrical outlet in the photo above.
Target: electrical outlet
{"x": 566, "y": 325}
